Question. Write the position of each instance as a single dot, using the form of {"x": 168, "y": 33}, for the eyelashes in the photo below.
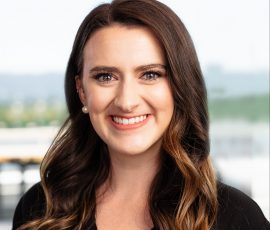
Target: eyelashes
{"x": 104, "y": 77}
{"x": 151, "y": 75}
{"x": 147, "y": 76}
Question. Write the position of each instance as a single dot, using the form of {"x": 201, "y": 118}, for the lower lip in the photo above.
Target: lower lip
{"x": 129, "y": 126}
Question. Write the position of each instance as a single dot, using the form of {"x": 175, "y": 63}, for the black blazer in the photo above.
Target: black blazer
{"x": 236, "y": 210}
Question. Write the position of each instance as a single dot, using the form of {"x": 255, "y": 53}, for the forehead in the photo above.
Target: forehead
{"x": 123, "y": 45}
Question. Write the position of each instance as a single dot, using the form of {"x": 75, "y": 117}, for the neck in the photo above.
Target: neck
{"x": 132, "y": 175}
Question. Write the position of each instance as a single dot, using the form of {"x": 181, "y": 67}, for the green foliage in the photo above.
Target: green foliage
{"x": 31, "y": 115}
{"x": 250, "y": 108}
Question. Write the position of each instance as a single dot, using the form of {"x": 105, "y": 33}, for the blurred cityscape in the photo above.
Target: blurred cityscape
{"x": 32, "y": 108}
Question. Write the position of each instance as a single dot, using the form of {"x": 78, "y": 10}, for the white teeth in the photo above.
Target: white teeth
{"x": 133, "y": 120}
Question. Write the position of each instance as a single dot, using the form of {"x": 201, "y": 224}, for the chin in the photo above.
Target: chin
{"x": 130, "y": 151}
{"x": 134, "y": 150}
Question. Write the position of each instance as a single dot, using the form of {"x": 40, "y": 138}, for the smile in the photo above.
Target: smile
{"x": 129, "y": 121}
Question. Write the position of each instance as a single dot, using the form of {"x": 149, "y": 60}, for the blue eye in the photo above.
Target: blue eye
{"x": 151, "y": 76}
{"x": 104, "y": 77}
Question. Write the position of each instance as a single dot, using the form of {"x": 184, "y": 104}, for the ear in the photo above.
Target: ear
{"x": 80, "y": 90}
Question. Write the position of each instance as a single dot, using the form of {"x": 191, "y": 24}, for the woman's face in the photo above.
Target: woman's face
{"x": 126, "y": 90}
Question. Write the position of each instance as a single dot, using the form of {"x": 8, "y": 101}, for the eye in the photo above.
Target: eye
{"x": 104, "y": 77}
{"x": 151, "y": 75}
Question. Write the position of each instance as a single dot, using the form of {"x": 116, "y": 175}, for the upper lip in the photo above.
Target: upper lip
{"x": 129, "y": 116}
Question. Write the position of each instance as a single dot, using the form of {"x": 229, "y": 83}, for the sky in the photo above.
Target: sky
{"x": 37, "y": 36}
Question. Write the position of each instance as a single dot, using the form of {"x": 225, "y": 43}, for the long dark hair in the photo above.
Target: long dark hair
{"x": 183, "y": 193}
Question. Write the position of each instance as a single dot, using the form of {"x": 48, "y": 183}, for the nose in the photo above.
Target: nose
{"x": 127, "y": 97}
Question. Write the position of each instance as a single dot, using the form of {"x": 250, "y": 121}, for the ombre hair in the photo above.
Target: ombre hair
{"x": 183, "y": 194}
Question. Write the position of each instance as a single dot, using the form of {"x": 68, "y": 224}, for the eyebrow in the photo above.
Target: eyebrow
{"x": 114, "y": 69}
{"x": 150, "y": 66}
{"x": 103, "y": 68}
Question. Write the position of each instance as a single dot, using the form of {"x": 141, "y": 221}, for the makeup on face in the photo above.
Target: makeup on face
{"x": 126, "y": 89}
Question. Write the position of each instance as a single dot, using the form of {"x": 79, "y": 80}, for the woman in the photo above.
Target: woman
{"x": 134, "y": 152}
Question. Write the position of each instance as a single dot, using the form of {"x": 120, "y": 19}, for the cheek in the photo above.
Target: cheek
{"x": 96, "y": 103}
{"x": 97, "y": 99}
{"x": 161, "y": 98}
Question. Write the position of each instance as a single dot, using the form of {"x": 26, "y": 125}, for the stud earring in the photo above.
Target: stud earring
{"x": 84, "y": 109}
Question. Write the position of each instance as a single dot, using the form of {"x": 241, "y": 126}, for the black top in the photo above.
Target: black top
{"x": 236, "y": 210}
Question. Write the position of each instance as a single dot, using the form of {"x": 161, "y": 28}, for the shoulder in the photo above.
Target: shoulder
{"x": 30, "y": 206}
{"x": 238, "y": 211}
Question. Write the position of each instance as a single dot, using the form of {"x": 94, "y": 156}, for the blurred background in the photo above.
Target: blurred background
{"x": 232, "y": 41}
